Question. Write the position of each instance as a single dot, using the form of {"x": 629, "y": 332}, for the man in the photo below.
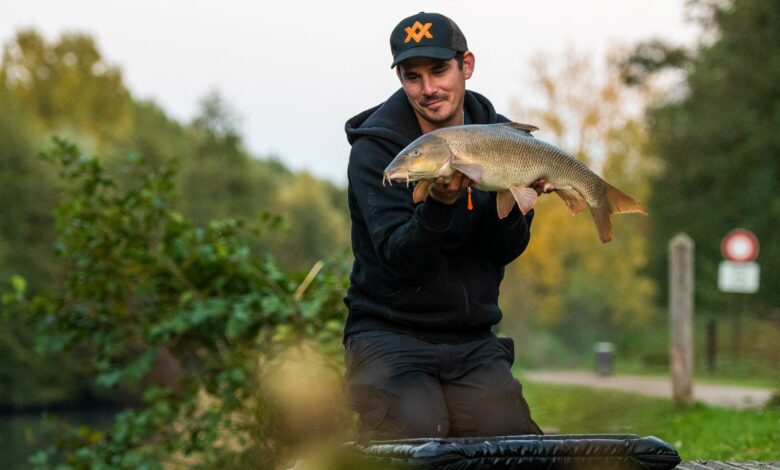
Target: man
{"x": 420, "y": 355}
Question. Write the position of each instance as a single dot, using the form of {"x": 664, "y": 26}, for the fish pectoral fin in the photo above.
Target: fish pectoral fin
{"x": 520, "y": 126}
{"x": 572, "y": 198}
{"x": 526, "y": 197}
{"x": 421, "y": 191}
{"x": 505, "y": 201}
{"x": 472, "y": 170}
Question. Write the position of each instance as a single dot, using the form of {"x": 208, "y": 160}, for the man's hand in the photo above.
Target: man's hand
{"x": 542, "y": 186}
{"x": 448, "y": 193}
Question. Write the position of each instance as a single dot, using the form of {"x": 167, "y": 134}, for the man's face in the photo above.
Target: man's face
{"x": 435, "y": 88}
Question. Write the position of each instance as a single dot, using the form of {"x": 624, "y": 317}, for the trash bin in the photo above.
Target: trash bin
{"x": 605, "y": 358}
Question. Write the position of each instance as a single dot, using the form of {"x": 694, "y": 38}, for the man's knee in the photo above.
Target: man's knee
{"x": 387, "y": 413}
{"x": 489, "y": 403}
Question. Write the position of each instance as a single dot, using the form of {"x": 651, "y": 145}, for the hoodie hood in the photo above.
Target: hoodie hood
{"x": 395, "y": 121}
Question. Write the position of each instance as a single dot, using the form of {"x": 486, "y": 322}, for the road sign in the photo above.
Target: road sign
{"x": 740, "y": 278}
{"x": 739, "y": 245}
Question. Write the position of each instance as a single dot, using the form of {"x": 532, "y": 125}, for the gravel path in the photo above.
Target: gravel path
{"x": 729, "y": 396}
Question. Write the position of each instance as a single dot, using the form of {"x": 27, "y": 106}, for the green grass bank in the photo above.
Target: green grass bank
{"x": 697, "y": 432}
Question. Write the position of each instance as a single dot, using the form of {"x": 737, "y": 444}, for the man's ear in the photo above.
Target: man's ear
{"x": 398, "y": 72}
{"x": 468, "y": 64}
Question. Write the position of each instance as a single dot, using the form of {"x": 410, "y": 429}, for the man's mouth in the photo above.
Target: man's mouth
{"x": 433, "y": 102}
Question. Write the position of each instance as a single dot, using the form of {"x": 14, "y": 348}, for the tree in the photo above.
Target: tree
{"x": 567, "y": 281}
{"x": 68, "y": 87}
{"x": 718, "y": 143}
{"x": 28, "y": 195}
{"x": 315, "y": 225}
{"x": 313, "y": 213}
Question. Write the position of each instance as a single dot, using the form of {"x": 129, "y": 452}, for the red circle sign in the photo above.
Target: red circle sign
{"x": 739, "y": 245}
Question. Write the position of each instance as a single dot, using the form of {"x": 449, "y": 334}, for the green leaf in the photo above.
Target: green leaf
{"x": 109, "y": 379}
{"x": 19, "y": 286}
{"x": 238, "y": 322}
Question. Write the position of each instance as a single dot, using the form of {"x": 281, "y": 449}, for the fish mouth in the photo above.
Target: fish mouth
{"x": 401, "y": 175}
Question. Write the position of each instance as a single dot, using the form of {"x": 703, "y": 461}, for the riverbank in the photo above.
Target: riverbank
{"x": 697, "y": 432}
{"x": 22, "y": 433}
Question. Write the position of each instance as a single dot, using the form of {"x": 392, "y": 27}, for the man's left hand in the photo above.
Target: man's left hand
{"x": 448, "y": 193}
{"x": 542, "y": 186}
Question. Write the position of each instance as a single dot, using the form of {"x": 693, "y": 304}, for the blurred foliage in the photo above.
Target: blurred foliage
{"x": 65, "y": 87}
{"x": 188, "y": 317}
{"x": 650, "y": 58}
{"x": 567, "y": 282}
{"x": 719, "y": 145}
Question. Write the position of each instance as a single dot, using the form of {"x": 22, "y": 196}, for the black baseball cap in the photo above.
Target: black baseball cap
{"x": 426, "y": 35}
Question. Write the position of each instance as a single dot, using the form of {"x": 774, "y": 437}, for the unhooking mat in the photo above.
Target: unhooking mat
{"x": 569, "y": 451}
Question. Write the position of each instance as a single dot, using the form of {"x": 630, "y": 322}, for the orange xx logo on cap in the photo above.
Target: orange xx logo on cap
{"x": 418, "y": 31}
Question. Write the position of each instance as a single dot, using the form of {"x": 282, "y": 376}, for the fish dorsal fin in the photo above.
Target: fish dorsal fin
{"x": 520, "y": 126}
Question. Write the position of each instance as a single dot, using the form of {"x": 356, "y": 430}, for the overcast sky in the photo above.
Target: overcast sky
{"x": 295, "y": 71}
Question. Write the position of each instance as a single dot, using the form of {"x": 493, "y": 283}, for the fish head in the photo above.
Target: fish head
{"x": 427, "y": 158}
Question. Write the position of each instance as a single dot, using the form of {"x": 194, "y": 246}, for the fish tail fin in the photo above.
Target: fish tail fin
{"x": 620, "y": 202}
{"x": 615, "y": 202}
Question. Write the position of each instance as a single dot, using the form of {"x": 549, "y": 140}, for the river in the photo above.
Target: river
{"x": 22, "y": 434}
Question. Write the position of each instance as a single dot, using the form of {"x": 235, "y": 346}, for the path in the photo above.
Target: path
{"x": 729, "y": 396}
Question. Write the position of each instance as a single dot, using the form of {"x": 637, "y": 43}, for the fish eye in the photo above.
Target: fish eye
{"x": 416, "y": 153}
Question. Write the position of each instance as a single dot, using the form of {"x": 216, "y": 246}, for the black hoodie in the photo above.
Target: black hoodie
{"x": 430, "y": 270}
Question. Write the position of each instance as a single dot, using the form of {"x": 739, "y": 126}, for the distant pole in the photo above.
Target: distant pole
{"x": 681, "y": 290}
{"x": 712, "y": 344}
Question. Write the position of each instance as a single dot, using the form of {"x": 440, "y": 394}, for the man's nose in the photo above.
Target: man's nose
{"x": 429, "y": 86}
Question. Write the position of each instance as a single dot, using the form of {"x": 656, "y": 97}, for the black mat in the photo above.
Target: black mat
{"x": 570, "y": 451}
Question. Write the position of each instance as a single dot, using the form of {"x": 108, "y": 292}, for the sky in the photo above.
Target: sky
{"x": 295, "y": 71}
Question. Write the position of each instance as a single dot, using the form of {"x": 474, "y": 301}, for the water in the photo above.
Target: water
{"x": 22, "y": 434}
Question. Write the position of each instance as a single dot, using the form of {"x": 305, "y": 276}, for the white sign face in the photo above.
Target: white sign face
{"x": 741, "y": 278}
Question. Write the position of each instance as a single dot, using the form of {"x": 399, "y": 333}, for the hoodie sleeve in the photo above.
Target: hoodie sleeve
{"x": 404, "y": 236}
{"x": 503, "y": 240}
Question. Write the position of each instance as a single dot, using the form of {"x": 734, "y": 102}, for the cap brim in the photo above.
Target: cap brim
{"x": 434, "y": 52}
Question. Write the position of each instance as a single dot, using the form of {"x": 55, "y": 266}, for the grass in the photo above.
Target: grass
{"x": 697, "y": 432}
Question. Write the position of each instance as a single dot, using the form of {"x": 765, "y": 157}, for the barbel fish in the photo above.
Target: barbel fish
{"x": 507, "y": 159}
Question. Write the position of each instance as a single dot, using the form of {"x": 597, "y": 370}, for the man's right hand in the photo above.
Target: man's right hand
{"x": 448, "y": 193}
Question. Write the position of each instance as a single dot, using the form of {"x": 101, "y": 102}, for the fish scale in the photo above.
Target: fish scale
{"x": 523, "y": 159}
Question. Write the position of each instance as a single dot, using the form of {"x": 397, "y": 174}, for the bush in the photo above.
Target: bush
{"x": 186, "y": 317}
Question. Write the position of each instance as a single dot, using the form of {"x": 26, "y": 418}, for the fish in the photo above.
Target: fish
{"x": 506, "y": 158}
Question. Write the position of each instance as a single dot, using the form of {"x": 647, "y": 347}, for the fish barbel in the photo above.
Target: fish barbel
{"x": 507, "y": 159}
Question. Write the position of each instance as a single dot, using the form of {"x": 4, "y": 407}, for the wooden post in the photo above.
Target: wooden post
{"x": 681, "y": 290}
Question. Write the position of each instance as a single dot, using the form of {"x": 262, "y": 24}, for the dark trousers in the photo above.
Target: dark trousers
{"x": 404, "y": 387}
